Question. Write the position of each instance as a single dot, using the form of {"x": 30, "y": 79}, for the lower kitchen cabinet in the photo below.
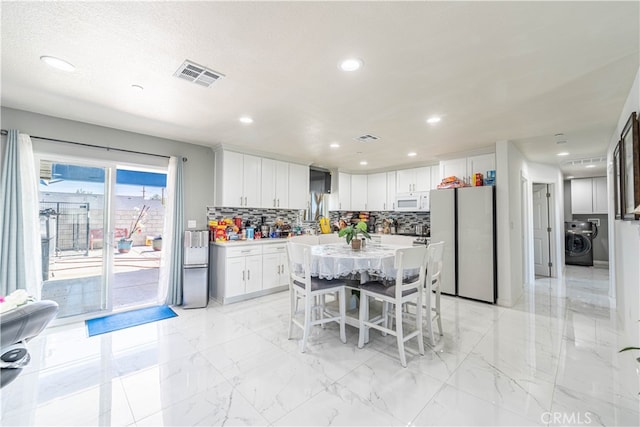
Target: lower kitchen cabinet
{"x": 245, "y": 271}
{"x": 274, "y": 266}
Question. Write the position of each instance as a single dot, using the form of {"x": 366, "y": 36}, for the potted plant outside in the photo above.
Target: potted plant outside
{"x": 351, "y": 232}
{"x": 126, "y": 243}
{"x": 157, "y": 243}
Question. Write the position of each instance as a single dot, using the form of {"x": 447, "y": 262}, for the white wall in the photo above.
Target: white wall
{"x": 624, "y": 241}
{"x": 198, "y": 170}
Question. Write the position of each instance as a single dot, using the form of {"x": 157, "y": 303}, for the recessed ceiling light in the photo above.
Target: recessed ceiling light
{"x": 570, "y": 176}
{"x": 564, "y": 153}
{"x": 335, "y": 145}
{"x": 246, "y": 120}
{"x": 434, "y": 119}
{"x": 412, "y": 154}
{"x": 137, "y": 88}
{"x": 58, "y": 63}
{"x": 590, "y": 166}
{"x": 363, "y": 163}
{"x": 351, "y": 64}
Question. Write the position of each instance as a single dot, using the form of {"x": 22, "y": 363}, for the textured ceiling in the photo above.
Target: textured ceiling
{"x": 520, "y": 71}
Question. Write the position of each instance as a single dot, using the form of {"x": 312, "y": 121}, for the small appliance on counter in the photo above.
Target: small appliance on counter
{"x": 194, "y": 270}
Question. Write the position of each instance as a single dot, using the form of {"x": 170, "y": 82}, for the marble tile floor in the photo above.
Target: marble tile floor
{"x": 552, "y": 359}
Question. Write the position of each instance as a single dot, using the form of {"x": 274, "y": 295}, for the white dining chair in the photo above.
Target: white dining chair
{"x": 405, "y": 289}
{"x": 394, "y": 239}
{"x": 432, "y": 287}
{"x": 313, "y": 291}
{"x": 325, "y": 239}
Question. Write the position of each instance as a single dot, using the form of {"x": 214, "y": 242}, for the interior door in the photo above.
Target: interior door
{"x": 541, "y": 230}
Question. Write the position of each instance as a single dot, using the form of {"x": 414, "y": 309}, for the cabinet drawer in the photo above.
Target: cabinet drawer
{"x": 279, "y": 248}
{"x": 243, "y": 251}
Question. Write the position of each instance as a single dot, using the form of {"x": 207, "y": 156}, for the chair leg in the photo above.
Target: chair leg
{"x": 343, "y": 314}
{"x": 293, "y": 308}
{"x": 307, "y": 324}
{"x": 364, "y": 308}
{"x": 419, "y": 326}
{"x": 429, "y": 318}
{"x": 438, "y": 311}
{"x": 400, "y": 335}
{"x": 385, "y": 316}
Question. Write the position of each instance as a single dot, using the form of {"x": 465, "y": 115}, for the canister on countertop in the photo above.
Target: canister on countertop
{"x": 250, "y": 233}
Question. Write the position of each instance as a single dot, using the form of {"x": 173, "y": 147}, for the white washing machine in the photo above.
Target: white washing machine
{"x": 578, "y": 242}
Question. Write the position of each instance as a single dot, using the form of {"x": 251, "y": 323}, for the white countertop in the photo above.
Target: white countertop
{"x": 231, "y": 243}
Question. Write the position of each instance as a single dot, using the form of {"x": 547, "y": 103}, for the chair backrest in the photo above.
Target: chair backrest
{"x": 325, "y": 239}
{"x": 413, "y": 258}
{"x": 305, "y": 239}
{"x": 299, "y": 257}
{"x": 393, "y": 239}
{"x": 434, "y": 264}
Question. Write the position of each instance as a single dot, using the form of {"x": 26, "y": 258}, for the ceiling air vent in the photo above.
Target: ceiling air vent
{"x": 197, "y": 74}
{"x": 367, "y": 138}
{"x": 584, "y": 162}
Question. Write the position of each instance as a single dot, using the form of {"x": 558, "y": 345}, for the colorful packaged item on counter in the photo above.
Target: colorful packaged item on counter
{"x": 476, "y": 180}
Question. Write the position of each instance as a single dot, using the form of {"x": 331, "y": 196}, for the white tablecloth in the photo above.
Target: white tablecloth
{"x": 338, "y": 260}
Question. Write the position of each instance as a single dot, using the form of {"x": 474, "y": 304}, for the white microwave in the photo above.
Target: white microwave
{"x": 410, "y": 202}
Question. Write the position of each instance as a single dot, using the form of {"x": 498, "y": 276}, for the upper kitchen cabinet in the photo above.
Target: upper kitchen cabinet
{"x": 465, "y": 167}
{"x": 275, "y": 184}
{"x": 589, "y": 195}
{"x": 376, "y": 191}
{"x": 412, "y": 180}
{"x": 238, "y": 179}
{"x": 359, "y": 192}
{"x": 298, "y": 186}
{"x": 391, "y": 191}
{"x": 340, "y": 199}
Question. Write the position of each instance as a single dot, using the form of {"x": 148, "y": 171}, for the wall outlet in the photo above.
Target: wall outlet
{"x": 191, "y": 223}
{"x": 596, "y": 221}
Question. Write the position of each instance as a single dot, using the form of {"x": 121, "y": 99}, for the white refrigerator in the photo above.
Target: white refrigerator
{"x": 464, "y": 218}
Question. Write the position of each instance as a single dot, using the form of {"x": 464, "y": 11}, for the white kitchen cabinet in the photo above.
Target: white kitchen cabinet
{"x": 344, "y": 191}
{"x": 589, "y": 195}
{"x": 274, "y": 266}
{"x": 275, "y": 184}
{"x": 454, "y": 167}
{"x": 242, "y": 270}
{"x": 376, "y": 191}
{"x": 359, "y": 192}
{"x": 298, "y": 186}
{"x": 412, "y": 180}
{"x": 390, "y": 204}
{"x": 480, "y": 164}
{"x": 237, "y": 179}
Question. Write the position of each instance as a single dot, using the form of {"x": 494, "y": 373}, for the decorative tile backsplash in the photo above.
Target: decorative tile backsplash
{"x": 254, "y": 215}
{"x": 407, "y": 221}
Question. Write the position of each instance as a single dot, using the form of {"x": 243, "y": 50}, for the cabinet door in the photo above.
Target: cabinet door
{"x": 405, "y": 180}
{"x": 251, "y": 182}
{"x": 359, "y": 192}
{"x": 581, "y": 196}
{"x": 235, "y": 277}
{"x": 454, "y": 167}
{"x": 271, "y": 270}
{"x": 344, "y": 191}
{"x": 480, "y": 164}
{"x": 376, "y": 191}
{"x": 391, "y": 192}
{"x": 435, "y": 177}
{"x": 284, "y": 270}
{"x": 253, "y": 273}
{"x": 230, "y": 184}
{"x": 268, "y": 174}
{"x": 599, "y": 191}
{"x": 298, "y": 186}
{"x": 423, "y": 178}
{"x": 282, "y": 184}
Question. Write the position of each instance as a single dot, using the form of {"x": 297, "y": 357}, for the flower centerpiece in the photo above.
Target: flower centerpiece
{"x": 137, "y": 222}
{"x": 351, "y": 232}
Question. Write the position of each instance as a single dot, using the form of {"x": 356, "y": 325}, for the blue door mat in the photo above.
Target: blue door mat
{"x": 115, "y": 322}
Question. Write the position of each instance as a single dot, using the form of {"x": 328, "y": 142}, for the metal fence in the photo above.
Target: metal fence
{"x": 72, "y": 227}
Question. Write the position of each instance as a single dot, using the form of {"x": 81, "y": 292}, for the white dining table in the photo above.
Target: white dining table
{"x": 339, "y": 261}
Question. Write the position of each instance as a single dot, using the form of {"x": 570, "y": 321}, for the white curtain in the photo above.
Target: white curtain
{"x": 20, "y": 247}
{"x": 170, "y": 286}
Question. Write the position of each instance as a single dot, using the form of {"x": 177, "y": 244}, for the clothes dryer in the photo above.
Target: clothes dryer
{"x": 578, "y": 242}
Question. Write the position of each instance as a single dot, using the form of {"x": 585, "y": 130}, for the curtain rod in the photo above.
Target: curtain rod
{"x": 184, "y": 159}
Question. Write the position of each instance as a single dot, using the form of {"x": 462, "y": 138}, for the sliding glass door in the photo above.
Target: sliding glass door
{"x": 101, "y": 229}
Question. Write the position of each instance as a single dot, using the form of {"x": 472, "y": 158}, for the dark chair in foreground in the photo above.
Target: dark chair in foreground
{"x": 17, "y": 327}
